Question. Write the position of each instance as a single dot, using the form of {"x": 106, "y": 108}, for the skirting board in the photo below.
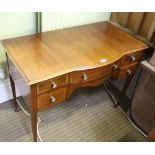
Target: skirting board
{"x": 5, "y": 91}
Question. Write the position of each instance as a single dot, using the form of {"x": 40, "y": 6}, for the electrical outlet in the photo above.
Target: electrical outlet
{"x": 2, "y": 74}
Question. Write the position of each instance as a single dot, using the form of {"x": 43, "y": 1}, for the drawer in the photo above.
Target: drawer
{"x": 90, "y": 75}
{"x": 93, "y": 83}
{"x": 51, "y": 84}
{"x": 126, "y": 71}
{"x": 131, "y": 59}
{"x": 51, "y": 98}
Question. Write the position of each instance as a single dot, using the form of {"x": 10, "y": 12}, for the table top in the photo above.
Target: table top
{"x": 43, "y": 56}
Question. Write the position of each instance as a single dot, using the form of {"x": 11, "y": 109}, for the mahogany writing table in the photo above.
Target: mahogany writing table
{"x": 49, "y": 66}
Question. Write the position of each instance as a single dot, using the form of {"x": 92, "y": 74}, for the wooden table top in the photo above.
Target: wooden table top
{"x": 42, "y": 56}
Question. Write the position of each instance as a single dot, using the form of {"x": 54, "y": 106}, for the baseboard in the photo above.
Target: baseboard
{"x": 5, "y": 91}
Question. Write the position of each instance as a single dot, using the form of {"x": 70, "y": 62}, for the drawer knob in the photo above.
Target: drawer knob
{"x": 53, "y": 85}
{"x": 52, "y": 99}
{"x": 115, "y": 66}
{"x": 133, "y": 58}
{"x": 84, "y": 77}
{"x": 129, "y": 71}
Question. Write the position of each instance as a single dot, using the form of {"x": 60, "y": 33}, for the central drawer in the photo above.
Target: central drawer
{"x": 90, "y": 74}
{"x": 51, "y": 98}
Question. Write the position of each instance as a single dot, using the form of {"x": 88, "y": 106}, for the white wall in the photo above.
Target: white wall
{"x": 58, "y": 20}
{"x": 13, "y": 25}
{"x": 18, "y": 24}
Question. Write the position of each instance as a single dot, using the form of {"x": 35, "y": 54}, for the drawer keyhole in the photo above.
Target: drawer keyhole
{"x": 84, "y": 77}
{"x": 53, "y": 85}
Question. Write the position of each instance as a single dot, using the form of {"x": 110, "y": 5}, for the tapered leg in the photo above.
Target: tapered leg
{"x": 119, "y": 94}
{"x": 13, "y": 92}
{"x": 34, "y": 111}
{"x": 127, "y": 82}
{"x": 151, "y": 135}
{"x": 34, "y": 125}
{"x": 125, "y": 87}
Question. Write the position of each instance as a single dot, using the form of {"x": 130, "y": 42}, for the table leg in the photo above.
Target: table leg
{"x": 125, "y": 87}
{"x": 13, "y": 92}
{"x": 128, "y": 81}
{"x": 34, "y": 111}
{"x": 118, "y": 96}
{"x": 151, "y": 135}
{"x": 34, "y": 125}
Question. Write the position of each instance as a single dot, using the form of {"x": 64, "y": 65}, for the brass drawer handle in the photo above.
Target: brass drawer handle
{"x": 129, "y": 71}
{"x": 52, "y": 99}
{"x": 115, "y": 66}
{"x": 84, "y": 77}
{"x": 53, "y": 85}
{"x": 133, "y": 58}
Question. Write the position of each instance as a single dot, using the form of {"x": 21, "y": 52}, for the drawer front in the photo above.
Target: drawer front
{"x": 126, "y": 71}
{"x": 52, "y": 84}
{"x": 131, "y": 59}
{"x": 94, "y": 83}
{"x": 90, "y": 75}
{"x": 51, "y": 98}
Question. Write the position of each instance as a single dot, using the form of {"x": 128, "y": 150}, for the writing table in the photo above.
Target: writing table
{"x": 48, "y": 67}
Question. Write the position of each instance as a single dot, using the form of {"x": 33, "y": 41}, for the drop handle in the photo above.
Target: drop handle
{"x": 52, "y": 99}
{"x": 133, "y": 58}
{"x": 53, "y": 84}
{"x": 115, "y": 66}
{"x": 84, "y": 76}
{"x": 129, "y": 71}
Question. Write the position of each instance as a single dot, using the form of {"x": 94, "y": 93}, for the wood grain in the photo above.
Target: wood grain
{"x": 52, "y": 84}
{"x": 126, "y": 71}
{"x": 90, "y": 75}
{"x": 44, "y": 100}
{"x": 51, "y": 54}
{"x": 71, "y": 58}
{"x": 94, "y": 83}
{"x": 131, "y": 58}
{"x": 33, "y": 108}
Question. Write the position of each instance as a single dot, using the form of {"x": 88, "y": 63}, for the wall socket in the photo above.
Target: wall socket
{"x": 2, "y": 74}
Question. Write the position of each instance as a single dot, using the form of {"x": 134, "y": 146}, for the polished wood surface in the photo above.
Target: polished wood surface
{"x": 131, "y": 59}
{"x": 48, "y": 67}
{"x": 126, "y": 71}
{"x": 90, "y": 74}
{"x": 50, "y": 54}
{"x": 51, "y": 98}
{"x": 93, "y": 83}
{"x": 34, "y": 110}
{"x": 52, "y": 84}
